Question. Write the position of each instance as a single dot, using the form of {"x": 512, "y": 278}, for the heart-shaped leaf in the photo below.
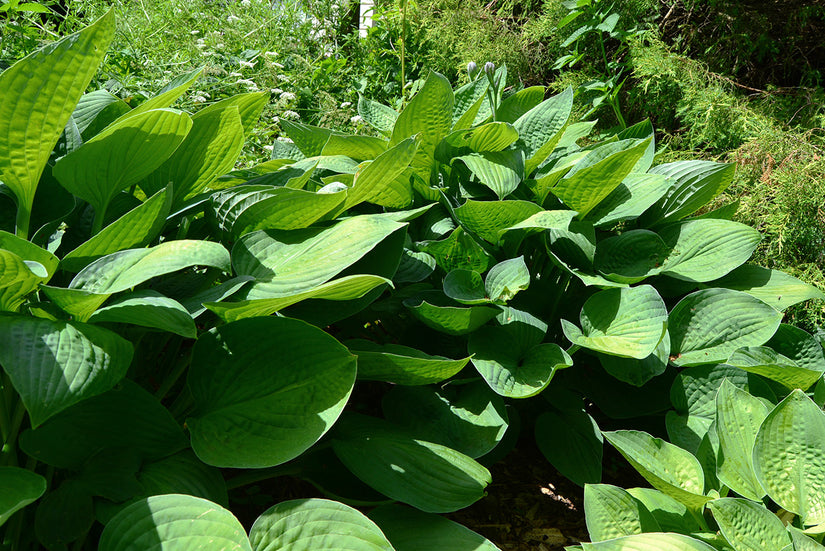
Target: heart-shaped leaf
{"x": 611, "y": 512}
{"x": 541, "y": 128}
{"x": 749, "y": 526}
{"x": 148, "y": 309}
{"x": 20, "y": 488}
{"x": 695, "y": 184}
{"x": 501, "y": 171}
{"x": 253, "y": 412}
{"x": 488, "y": 219}
{"x": 402, "y": 365}
{"x": 769, "y": 363}
{"x": 412, "y": 530}
{"x": 650, "y": 542}
{"x": 773, "y": 287}
{"x": 572, "y": 442}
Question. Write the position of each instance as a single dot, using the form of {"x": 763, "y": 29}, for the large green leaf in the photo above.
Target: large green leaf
{"x": 596, "y": 176}
{"x": 490, "y": 137}
{"x": 430, "y": 114}
{"x": 668, "y": 468}
{"x": 776, "y": 288}
{"x": 709, "y": 325}
{"x": 704, "y": 250}
{"x": 136, "y": 228}
{"x": 631, "y": 256}
{"x": 695, "y": 184}
{"x": 488, "y": 219}
{"x": 174, "y": 522}
{"x": 540, "y": 128}
{"x": 749, "y": 526}
{"x": 96, "y": 110}
{"x": 377, "y": 115}
{"x": 402, "y": 365}
{"x": 769, "y": 363}
{"x": 127, "y": 417}
{"x": 571, "y": 441}
{"x": 627, "y": 322}
{"x": 251, "y": 412}
{"x": 650, "y": 542}
{"x": 167, "y": 95}
{"x": 671, "y": 515}
{"x": 249, "y": 107}
{"x": 289, "y": 262}
{"x": 39, "y": 93}
{"x": 40, "y": 266}
{"x": 458, "y": 251}
{"x": 357, "y": 147}
{"x": 122, "y": 155}
{"x": 183, "y": 473}
{"x": 789, "y": 457}
{"x": 125, "y": 269}
{"x": 148, "y": 308}
{"x": 738, "y": 417}
{"x": 381, "y": 182}
{"x": 638, "y": 372}
{"x": 630, "y": 199}
{"x": 412, "y": 530}
{"x": 469, "y": 418}
{"x": 430, "y": 477}
{"x": 20, "y": 488}
{"x": 800, "y": 346}
{"x": 611, "y": 512}
{"x": 514, "y": 106}
{"x": 501, "y": 171}
{"x": 467, "y": 102}
{"x": 209, "y": 150}
{"x": 54, "y": 364}
{"x": 316, "y": 525}
{"x": 435, "y": 310}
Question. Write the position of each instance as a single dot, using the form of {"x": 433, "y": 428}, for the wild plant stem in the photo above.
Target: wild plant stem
{"x": 402, "y": 47}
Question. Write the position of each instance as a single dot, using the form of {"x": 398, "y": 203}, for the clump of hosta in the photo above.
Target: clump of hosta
{"x": 174, "y": 329}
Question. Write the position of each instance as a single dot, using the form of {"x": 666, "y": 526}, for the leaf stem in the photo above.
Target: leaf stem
{"x": 179, "y": 369}
{"x": 97, "y": 225}
{"x": 259, "y": 475}
{"x": 10, "y": 446}
{"x": 22, "y": 223}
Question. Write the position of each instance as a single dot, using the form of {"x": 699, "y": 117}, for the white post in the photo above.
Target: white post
{"x": 365, "y": 17}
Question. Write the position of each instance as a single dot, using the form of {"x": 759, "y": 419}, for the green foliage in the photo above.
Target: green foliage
{"x": 421, "y": 282}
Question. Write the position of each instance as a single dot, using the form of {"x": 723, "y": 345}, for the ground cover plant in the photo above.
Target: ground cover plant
{"x": 376, "y": 314}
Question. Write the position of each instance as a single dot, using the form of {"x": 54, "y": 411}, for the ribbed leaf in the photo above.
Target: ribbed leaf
{"x": 125, "y": 269}
{"x": 167, "y": 95}
{"x": 249, "y": 107}
{"x": 695, "y": 184}
{"x": 611, "y": 512}
{"x": 627, "y": 322}
{"x": 183, "y": 473}
{"x": 573, "y": 444}
{"x": 776, "y": 288}
{"x": 514, "y": 106}
{"x": 501, "y": 171}
{"x": 380, "y": 182}
{"x": 402, "y": 365}
{"x": 789, "y": 457}
{"x": 545, "y": 220}
{"x": 800, "y": 346}
{"x": 357, "y": 147}
{"x": 631, "y": 256}
{"x": 749, "y": 526}
{"x": 507, "y": 278}
{"x": 458, "y": 251}
{"x": 668, "y": 468}
{"x": 493, "y": 136}
{"x": 468, "y": 100}
{"x": 430, "y": 477}
{"x": 671, "y": 515}
{"x": 738, "y": 417}
{"x": 488, "y": 219}
{"x": 77, "y": 303}
{"x": 316, "y": 525}
{"x": 54, "y": 364}
{"x": 437, "y": 312}
{"x": 39, "y": 93}
{"x": 769, "y": 363}
{"x": 540, "y": 128}
{"x": 96, "y": 110}
{"x": 412, "y": 530}
{"x": 377, "y": 115}
{"x": 148, "y": 309}
{"x": 650, "y": 542}
{"x": 253, "y": 413}
{"x": 638, "y": 372}
{"x": 20, "y": 488}
{"x": 174, "y": 522}
{"x": 708, "y": 326}
{"x": 630, "y": 199}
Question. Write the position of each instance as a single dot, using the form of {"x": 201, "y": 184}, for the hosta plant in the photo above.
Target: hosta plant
{"x": 754, "y": 480}
{"x": 364, "y": 312}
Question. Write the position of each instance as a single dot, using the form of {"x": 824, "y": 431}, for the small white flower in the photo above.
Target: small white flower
{"x": 246, "y": 3}
{"x": 278, "y": 65}
{"x": 250, "y": 64}
{"x": 219, "y": 46}
{"x": 194, "y": 32}
{"x": 235, "y": 74}
{"x": 276, "y": 120}
{"x": 276, "y": 90}
{"x": 199, "y": 99}
{"x": 284, "y": 139}
{"x": 291, "y": 115}
{"x": 248, "y": 83}
{"x": 271, "y": 54}
{"x": 356, "y": 119}
{"x": 346, "y": 104}
{"x": 232, "y": 19}
{"x": 287, "y": 96}
{"x": 201, "y": 43}
{"x": 268, "y": 147}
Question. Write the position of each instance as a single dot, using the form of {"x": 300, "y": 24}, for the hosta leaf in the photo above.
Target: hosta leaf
{"x": 630, "y": 199}
{"x": 195, "y": 304}
{"x": 209, "y": 150}
{"x": 549, "y": 175}
{"x": 507, "y": 278}
{"x": 174, "y": 522}
{"x": 668, "y": 468}
{"x": 650, "y": 542}
{"x": 357, "y": 147}
{"x": 148, "y": 309}
{"x": 249, "y": 107}
{"x": 380, "y": 182}
{"x": 344, "y": 288}
{"x": 596, "y": 176}
{"x": 769, "y": 363}
{"x": 458, "y": 251}
{"x": 439, "y": 313}
{"x": 430, "y": 477}
{"x": 749, "y": 526}
{"x": 694, "y": 389}
{"x": 96, "y": 110}
{"x": 466, "y": 287}
{"x": 738, "y": 416}
{"x": 14, "y": 269}
{"x": 545, "y": 220}
{"x": 540, "y": 128}
{"x": 638, "y": 372}
{"x": 309, "y": 139}
{"x": 709, "y": 325}
{"x": 54, "y": 364}
{"x": 123, "y": 154}
{"x": 40, "y": 265}
{"x": 611, "y": 512}
{"x": 671, "y": 515}
{"x": 77, "y": 303}
{"x": 468, "y": 418}
{"x": 125, "y": 269}
{"x": 776, "y": 288}
{"x": 695, "y": 184}
{"x": 377, "y": 115}
{"x": 412, "y": 530}
{"x": 20, "y": 488}
{"x": 167, "y": 95}
{"x": 789, "y": 457}
{"x": 490, "y": 137}
{"x": 183, "y": 473}
{"x": 127, "y": 417}
{"x": 402, "y": 365}
{"x": 631, "y": 256}
{"x": 289, "y": 262}
{"x": 802, "y": 542}
{"x": 316, "y": 525}
{"x": 516, "y": 105}
{"x": 136, "y": 228}
{"x": 626, "y": 322}
{"x": 573, "y": 444}
{"x": 414, "y": 267}
{"x": 488, "y": 219}
{"x": 704, "y": 250}
{"x": 39, "y": 93}
{"x": 64, "y": 515}
{"x": 800, "y": 346}
{"x": 468, "y": 100}
{"x": 253, "y": 413}
{"x": 501, "y": 171}
{"x": 430, "y": 114}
